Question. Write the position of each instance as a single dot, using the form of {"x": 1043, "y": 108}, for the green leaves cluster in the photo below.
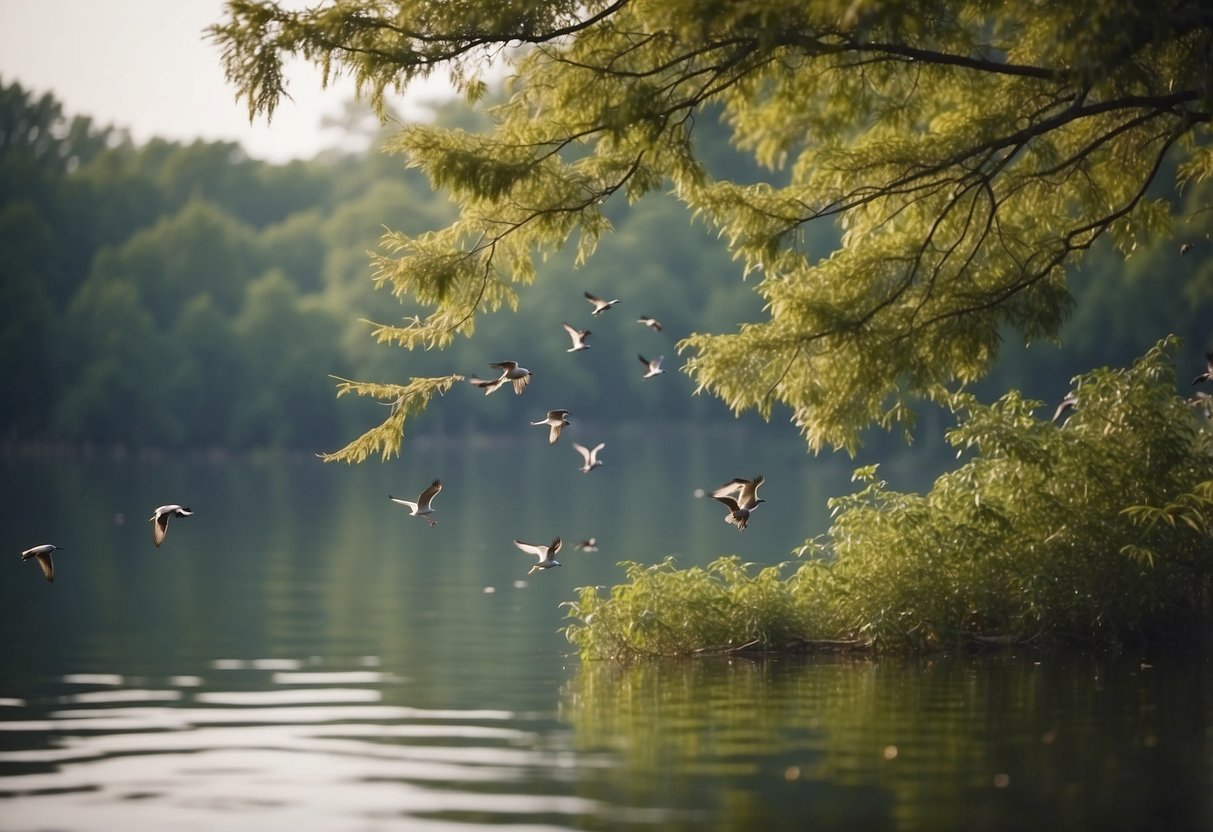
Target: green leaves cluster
{"x": 967, "y": 152}
{"x": 1090, "y": 531}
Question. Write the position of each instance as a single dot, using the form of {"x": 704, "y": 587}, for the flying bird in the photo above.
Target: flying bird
{"x": 579, "y": 336}
{"x": 1070, "y": 401}
{"x": 43, "y": 554}
{"x": 653, "y": 367}
{"x": 1184, "y": 248}
{"x": 590, "y": 544}
{"x": 600, "y": 305}
{"x": 650, "y": 322}
{"x": 510, "y": 371}
{"x": 546, "y": 554}
{"x": 422, "y": 507}
{"x": 1207, "y": 375}
{"x": 161, "y": 517}
{"x": 746, "y": 490}
{"x": 589, "y": 457}
{"x": 741, "y": 506}
{"x": 556, "y": 421}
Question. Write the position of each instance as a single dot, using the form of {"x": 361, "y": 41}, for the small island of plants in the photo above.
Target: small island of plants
{"x": 1090, "y": 531}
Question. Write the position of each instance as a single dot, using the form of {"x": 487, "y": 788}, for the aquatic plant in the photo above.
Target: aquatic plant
{"x": 1094, "y": 530}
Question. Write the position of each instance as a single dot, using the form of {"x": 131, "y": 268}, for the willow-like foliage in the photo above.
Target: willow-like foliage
{"x": 969, "y": 151}
{"x": 404, "y": 400}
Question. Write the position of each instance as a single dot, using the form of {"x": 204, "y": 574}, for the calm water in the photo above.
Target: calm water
{"x": 302, "y": 654}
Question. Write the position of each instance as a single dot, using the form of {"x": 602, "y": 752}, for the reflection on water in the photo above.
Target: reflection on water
{"x": 997, "y": 742}
{"x": 300, "y": 654}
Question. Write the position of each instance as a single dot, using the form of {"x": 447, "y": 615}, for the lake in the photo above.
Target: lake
{"x": 302, "y": 654}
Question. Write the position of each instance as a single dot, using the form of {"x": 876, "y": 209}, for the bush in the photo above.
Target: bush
{"x": 1090, "y": 531}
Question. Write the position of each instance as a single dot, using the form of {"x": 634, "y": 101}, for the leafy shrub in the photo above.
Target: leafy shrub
{"x": 1093, "y": 530}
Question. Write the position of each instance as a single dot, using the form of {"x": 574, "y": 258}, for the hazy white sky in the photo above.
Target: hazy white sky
{"x": 145, "y": 65}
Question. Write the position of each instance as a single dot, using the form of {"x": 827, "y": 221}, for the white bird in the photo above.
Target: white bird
{"x": 546, "y": 554}
{"x": 589, "y": 457}
{"x": 422, "y": 507}
{"x": 650, "y": 322}
{"x": 579, "y": 336}
{"x": 510, "y": 371}
{"x": 654, "y": 366}
{"x": 556, "y": 421}
{"x": 590, "y": 544}
{"x": 600, "y": 305}
{"x": 43, "y": 554}
{"x": 743, "y": 505}
{"x": 161, "y": 517}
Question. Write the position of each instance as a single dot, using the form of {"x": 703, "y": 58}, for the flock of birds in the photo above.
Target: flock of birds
{"x": 159, "y": 518}
{"x": 739, "y": 496}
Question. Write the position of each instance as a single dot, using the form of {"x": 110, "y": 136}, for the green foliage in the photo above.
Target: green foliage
{"x": 1093, "y": 531}
{"x": 664, "y": 611}
{"x": 968, "y": 153}
{"x": 404, "y": 399}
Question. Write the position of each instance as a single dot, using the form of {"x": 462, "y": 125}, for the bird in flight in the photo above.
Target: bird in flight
{"x": 653, "y": 368}
{"x": 422, "y": 508}
{"x": 43, "y": 554}
{"x": 510, "y": 371}
{"x": 546, "y": 554}
{"x": 741, "y": 506}
{"x": 556, "y": 421}
{"x": 589, "y": 456}
{"x": 1070, "y": 401}
{"x": 590, "y": 544}
{"x": 1207, "y": 375}
{"x": 600, "y": 305}
{"x": 579, "y": 336}
{"x": 651, "y": 322}
{"x": 161, "y": 517}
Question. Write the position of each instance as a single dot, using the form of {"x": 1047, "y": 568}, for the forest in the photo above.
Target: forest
{"x": 185, "y": 296}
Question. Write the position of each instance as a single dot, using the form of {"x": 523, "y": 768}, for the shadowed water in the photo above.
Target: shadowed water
{"x": 300, "y": 653}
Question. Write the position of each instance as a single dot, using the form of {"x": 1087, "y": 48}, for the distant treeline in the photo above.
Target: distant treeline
{"x": 185, "y": 295}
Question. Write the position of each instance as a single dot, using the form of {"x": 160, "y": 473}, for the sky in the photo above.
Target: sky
{"x": 145, "y": 65}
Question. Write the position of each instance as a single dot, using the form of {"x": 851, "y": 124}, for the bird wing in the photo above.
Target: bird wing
{"x": 1069, "y": 401}
{"x": 593, "y": 299}
{"x": 749, "y": 491}
{"x": 555, "y": 547}
{"x": 410, "y": 504}
{"x": 505, "y": 365}
{"x": 729, "y": 502}
{"x": 520, "y": 384}
{"x": 735, "y": 484}
{"x": 48, "y": 565}
{"x": 597, "y": 448}
{"x": 576, "y": 334}
{"x": 554, "y": 433}
{"x": 584, "y": 451}
{"x": 531, "y": 549}
{"x": 159, "y": 527}
{"x": 429, "y": 494}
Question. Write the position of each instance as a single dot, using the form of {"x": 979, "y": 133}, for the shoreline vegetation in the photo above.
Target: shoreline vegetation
{"x": 1092, "y": 532}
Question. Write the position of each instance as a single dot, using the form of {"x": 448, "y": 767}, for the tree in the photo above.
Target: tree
{"x": 967, "y": 151}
